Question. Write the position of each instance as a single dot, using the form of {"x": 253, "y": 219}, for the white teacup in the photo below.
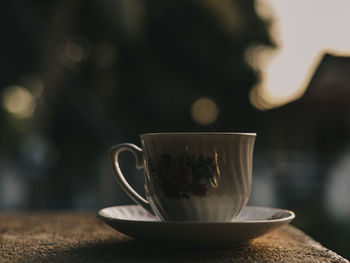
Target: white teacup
{"x": 191, "y": 176}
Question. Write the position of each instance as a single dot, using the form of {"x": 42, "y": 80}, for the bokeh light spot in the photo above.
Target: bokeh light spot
{"x": 18, "y": 101}
{"x": 72, "y": 52}
{"x": 204, "y": 111}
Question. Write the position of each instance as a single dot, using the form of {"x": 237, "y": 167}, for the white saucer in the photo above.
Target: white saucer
{"x": 252, "y": 222}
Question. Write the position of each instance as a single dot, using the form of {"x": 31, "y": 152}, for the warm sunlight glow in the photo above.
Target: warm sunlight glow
{"x": 204, "y": 111}
{"x": 303, "y": 31}
{"x": 18, "y": 101}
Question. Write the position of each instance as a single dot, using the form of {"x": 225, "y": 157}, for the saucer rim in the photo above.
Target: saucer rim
{"x": 288, "y": 218}
{"x": 197, "y": 133}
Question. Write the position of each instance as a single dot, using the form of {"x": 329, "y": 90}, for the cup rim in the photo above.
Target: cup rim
{"x": 197, "y": 133}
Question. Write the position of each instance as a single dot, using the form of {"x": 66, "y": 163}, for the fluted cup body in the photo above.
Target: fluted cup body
{"x": 198, "y": 176}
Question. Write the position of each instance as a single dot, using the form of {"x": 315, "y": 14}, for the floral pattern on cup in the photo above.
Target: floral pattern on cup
{"x": 183, "y": 176}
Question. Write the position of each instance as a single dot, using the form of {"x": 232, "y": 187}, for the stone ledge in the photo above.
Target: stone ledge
{"x": 81, "y": 237}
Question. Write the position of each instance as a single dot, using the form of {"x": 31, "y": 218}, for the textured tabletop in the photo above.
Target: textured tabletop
{"x": 81, "y": 237}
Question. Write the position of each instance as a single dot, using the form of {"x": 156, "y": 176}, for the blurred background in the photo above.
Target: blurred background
{"x": 77, "y": 77}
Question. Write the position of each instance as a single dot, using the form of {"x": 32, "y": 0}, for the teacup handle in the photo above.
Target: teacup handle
{"x": 118, "y": 175}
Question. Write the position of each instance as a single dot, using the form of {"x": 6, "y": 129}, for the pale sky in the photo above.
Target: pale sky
{"x": 303, "y": 30}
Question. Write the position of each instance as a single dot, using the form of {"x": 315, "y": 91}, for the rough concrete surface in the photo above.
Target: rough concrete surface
{"x": 81, "y": 237}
